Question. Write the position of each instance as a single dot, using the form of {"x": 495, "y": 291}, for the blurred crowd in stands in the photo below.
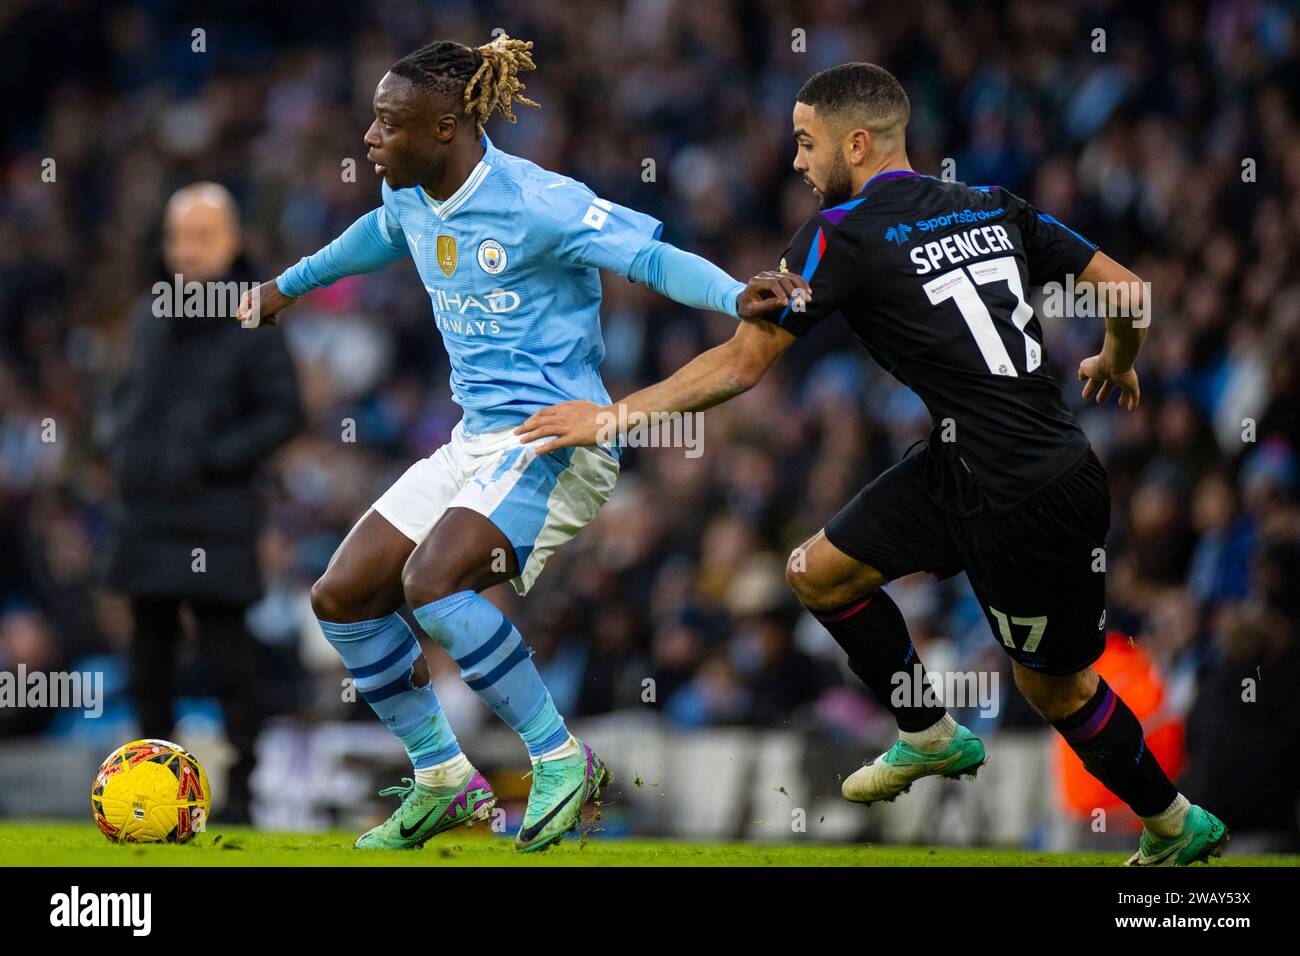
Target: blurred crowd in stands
{"x": 1175, "y": 146}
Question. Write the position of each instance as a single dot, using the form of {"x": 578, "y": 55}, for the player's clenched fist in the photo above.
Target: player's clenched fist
{"x": 770, "y": 291}
{"x": 261, "y": 305}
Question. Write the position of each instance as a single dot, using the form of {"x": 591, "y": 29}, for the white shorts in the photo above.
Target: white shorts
{"x": 538, "y": 502}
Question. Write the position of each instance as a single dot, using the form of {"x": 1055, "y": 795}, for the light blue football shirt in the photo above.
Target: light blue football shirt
{"x": 511, "y": 263}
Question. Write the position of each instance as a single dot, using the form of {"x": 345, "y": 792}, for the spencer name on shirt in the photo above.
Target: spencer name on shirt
{"x": 960, "y": 246}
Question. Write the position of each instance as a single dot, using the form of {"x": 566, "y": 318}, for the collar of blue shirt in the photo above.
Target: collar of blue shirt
{"x": 446, "y": 208}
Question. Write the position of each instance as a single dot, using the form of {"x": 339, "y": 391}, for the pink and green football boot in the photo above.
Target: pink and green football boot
{"x": 1203, "y": 836}
{"x": 427, "y": 811}
{"x": 560, "y": 788}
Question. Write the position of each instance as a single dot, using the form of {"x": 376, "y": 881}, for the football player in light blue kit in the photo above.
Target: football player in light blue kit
{"x": 510, "y": 256}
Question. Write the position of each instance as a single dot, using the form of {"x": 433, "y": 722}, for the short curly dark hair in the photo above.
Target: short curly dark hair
{"x": 861, "y": 93}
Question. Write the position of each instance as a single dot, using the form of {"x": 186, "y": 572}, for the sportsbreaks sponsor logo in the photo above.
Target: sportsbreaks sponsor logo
{"x": 956, "y": 218}
{"x": 902, "y": 233}
{"x": 898, "y": 234}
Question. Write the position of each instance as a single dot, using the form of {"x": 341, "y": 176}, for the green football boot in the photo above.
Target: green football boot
{"x": 426, "y": 811}
{"x": 1203, "y": 836}
{"x": 560, "y": 788}
{"x": 893, "y": 772}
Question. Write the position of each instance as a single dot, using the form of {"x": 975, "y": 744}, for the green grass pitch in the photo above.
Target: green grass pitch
{"x": 80, "y": 844}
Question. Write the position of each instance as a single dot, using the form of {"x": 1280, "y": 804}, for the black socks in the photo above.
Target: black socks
{"x": 1108, "y": 739}
{"x": 874, "y": 635}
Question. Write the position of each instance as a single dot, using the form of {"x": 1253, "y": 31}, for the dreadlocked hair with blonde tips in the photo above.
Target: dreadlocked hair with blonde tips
{"x": 486, "y": 78}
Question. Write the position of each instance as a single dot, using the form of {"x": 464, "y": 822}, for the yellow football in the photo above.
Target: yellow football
{"x": 150, "y": 791}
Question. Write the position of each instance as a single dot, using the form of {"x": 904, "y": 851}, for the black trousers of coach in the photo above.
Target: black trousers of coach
{"x": 231, "y": 653}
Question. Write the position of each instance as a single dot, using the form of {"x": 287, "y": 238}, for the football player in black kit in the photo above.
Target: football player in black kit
{"x": 932, "y": 276}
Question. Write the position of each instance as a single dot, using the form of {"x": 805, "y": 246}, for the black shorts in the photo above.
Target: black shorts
{"x": 1037, "y": 570}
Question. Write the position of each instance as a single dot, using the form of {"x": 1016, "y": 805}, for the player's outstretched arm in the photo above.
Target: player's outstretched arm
{"x": 685, "y": 278}
{"x": 1111, "y": 369}
{"x": 707, "y": 380}
{"x": 368, "y": 244}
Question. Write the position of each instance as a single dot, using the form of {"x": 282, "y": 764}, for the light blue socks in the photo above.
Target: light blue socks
{"x": 496, "y": 665}
{"x": 380, "y": 654}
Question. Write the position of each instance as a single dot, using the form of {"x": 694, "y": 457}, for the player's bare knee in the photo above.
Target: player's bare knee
{"x": 329, "y": 602}
{"x": 423, "y": 588}
{"x": 1032, "y": 689}
{"x": 1056, "y": 697}
{"x": 816, "y": 592}
{"x": 805, "y": 587}
{"x": 1040, "y": 702}
{"x": 425, "y": 581}
{"x": 794, "y": 572}
{"x": 1054, "y": 707}
{"x": 338, "y": 598}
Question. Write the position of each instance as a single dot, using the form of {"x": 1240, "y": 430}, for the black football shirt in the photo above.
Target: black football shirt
{"x": 932, "y": 277}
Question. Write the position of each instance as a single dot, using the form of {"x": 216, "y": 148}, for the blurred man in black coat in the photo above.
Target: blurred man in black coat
{"x": 1243, "y": 730}
{"x": 202, "y": 404}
